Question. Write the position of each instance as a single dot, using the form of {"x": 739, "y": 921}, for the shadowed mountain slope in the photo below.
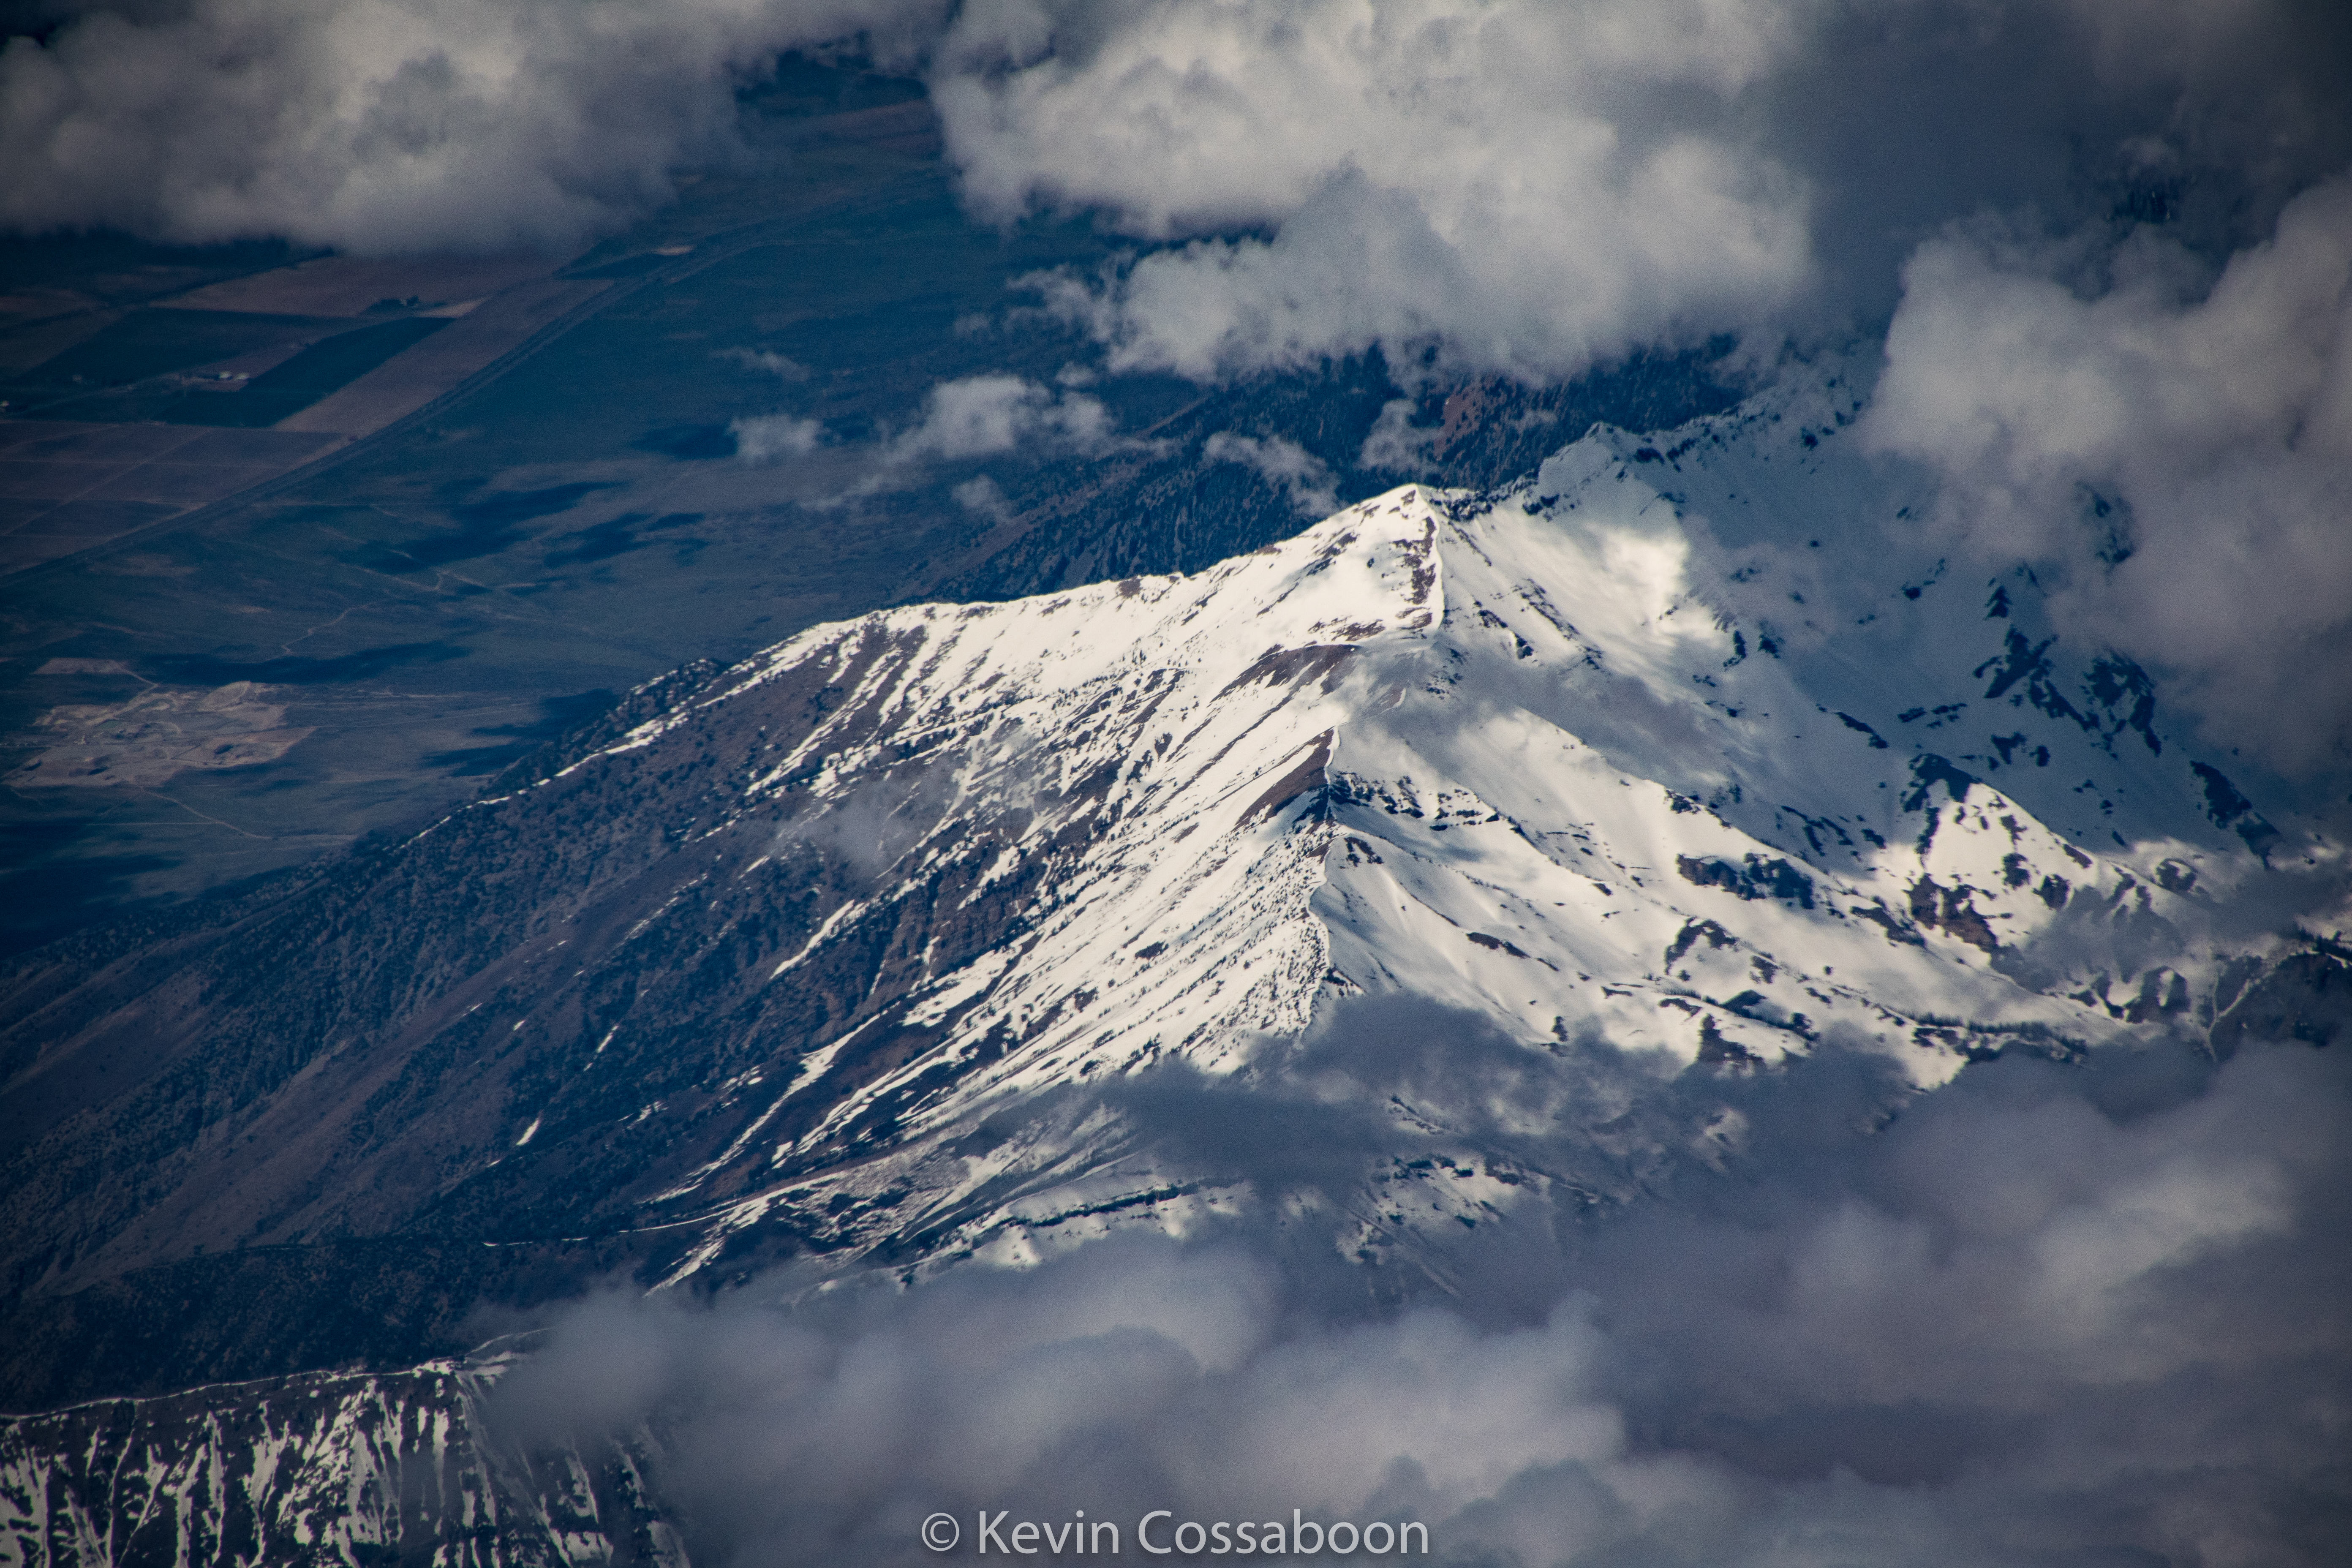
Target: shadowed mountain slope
{"x": 848, "y": 956}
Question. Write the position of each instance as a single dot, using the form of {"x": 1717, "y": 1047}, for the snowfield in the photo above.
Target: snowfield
{"x": 1607, "y": 757}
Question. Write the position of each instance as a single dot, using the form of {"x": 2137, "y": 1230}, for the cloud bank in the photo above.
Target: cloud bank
{"x": 1527, "y": 187}
{"x": 391, "y": 126}
{"x": 2049, "y": 1314}
{"x": 1521, "y": 186}
{"x": 1499, "y": 180}
{"x": 2179, "y": 445}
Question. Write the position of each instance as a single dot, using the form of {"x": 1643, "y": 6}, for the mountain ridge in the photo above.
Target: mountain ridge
{"x": 835, "y": 914}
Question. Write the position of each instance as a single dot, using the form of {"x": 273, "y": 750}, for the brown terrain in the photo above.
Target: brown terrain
{"x": 67, "y": 485}
{"x": 483, "y": 331}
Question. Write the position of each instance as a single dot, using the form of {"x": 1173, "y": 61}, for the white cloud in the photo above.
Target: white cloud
{"x": 1395, "y": 443}
{"x": 974, "y": 417}
{"x": 390, "y": 125}
{"x": 771, "y": 437}
{"x": 1306, "y": 88}
{"x": 986, "y": 415}
{"x": 983, "y": 495}
{"x": 1283, "y": 464}
{"x": 1529, "y": 187}
{"x": 1524, "y": 185}
{"x": 1532, "y": 185}
{"x": 2182, "y": 453}
{"x": 778, "y": 365}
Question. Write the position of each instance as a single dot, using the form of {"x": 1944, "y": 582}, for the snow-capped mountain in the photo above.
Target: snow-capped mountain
{"x": 881, "y": 950}
{"x": 1571, "y": 759}
{"x": 1689, "y": 748}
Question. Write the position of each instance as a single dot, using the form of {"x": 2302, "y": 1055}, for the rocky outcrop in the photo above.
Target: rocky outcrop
{"x": 362, "y": 1470}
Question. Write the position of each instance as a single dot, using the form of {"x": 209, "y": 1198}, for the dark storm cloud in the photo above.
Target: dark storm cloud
{"x": 2061, "y": 1314}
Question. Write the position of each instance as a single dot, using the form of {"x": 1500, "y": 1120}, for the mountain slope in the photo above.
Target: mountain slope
{"x": 843, "y": 956}
{"x": 341, "y": 1469}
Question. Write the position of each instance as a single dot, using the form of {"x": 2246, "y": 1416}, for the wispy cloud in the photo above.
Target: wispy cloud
{"x": 989, "y": 415}
{"x": 1283, "y": 464}
{"x": 773, "y": 437}
{"x": 778, "y": 365}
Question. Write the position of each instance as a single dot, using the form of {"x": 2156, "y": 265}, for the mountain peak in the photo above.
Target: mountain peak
{"x": 837, "y": 953}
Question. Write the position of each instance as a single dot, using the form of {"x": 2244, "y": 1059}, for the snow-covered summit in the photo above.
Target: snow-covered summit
{"x": 1684, "y": 758}
{"x": 1682, "y": 747}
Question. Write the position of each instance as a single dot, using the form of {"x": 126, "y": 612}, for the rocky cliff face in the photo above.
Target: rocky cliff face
{"x": 359, "y": 1470}
{"x": 1682, "y": 750}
